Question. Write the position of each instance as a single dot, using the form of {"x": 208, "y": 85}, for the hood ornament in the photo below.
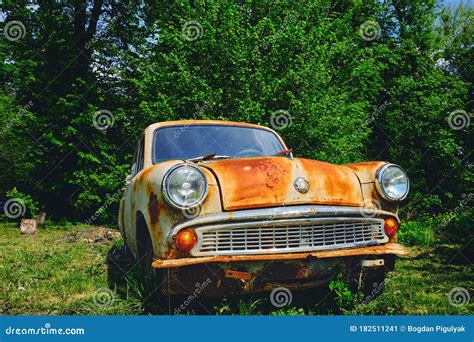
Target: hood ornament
{"x": 301, "y": 185}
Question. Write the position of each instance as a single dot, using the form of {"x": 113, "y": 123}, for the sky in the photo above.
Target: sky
{"x": 456, "y": 2}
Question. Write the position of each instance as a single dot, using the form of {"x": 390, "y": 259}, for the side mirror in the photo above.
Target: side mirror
{"x": 128, "y": 179}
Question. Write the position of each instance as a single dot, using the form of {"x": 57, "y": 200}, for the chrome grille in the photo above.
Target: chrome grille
{"x": 287, "y": 236}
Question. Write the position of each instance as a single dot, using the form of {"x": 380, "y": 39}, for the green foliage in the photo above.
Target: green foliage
{"x": 291, "y": 311}
{"x": 449, "y": 227}
{"x": 418, "y": 233}
{"x": 349, "y": 98}
{"x": 31, "y": 206}
{"x": 345, "y": 297}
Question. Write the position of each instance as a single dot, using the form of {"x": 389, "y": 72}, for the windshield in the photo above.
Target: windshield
{"x": 192, "y": 141}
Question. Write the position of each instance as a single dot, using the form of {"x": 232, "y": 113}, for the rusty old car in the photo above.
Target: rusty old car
{"x": 227, "y": 204}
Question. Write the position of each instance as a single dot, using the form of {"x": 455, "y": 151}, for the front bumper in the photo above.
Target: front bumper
{"x": 236, "y": 275}
{"x": 386, "y": 249}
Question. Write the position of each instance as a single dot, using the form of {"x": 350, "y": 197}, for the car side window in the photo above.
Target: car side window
{"x": 138, "y": 157}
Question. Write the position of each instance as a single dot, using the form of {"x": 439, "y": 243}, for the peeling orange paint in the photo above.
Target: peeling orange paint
{"x": 387, "y": 249}
{"x": 153, "y": 209}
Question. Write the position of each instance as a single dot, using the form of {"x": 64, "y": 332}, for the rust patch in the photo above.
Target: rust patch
{"x": 149, "y": 189}
{"x": 173, "y": 253}
{"x": 366, "y": 171}
{"x": 272, "y": 172}
{"x": 389, "y": 248}
{"x": 237, "y": 275}
{"x": 302, "y": 272}
{"x": 153, "y": 209}
{"x": 331, "y": 184}
{"x": 144, "y": 174}
{"x": 253, "y": 182}
{"x": 268, "y": 181}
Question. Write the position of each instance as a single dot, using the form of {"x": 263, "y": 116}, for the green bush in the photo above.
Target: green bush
{"x": 29, "y": 206}
{"x": 452, "y": 226}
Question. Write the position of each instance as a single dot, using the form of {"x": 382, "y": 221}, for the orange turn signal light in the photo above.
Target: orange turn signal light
{"x": 391, "y": 226}
{"x": 186, "y": 239}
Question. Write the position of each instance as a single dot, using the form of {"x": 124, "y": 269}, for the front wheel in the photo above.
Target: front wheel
{"x": 151, "y": 277}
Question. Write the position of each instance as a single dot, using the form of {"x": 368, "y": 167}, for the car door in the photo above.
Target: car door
{"x": 128, "y": 214}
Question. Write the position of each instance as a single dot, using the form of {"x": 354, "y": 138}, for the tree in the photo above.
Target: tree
{"x": 345, "y": 81}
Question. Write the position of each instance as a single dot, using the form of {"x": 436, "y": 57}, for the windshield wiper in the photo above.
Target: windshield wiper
{"x": 208, "y": 156}
{"x": 286, "y": 153}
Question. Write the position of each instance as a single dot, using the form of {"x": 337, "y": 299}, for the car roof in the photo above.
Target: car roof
{"x": 154, "y": 126}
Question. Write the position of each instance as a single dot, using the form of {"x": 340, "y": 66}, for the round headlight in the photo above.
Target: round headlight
{"x": 392, "y": 182}
{"x": 184, "y": 186}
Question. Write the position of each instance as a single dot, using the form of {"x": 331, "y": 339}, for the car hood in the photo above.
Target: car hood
{"x": 269, "y": 181}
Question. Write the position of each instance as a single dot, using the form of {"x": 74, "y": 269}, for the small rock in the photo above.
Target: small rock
{"x": 112, "y": 235}
{"x": 28, "y": 226}
{"x": 41, "y": 219}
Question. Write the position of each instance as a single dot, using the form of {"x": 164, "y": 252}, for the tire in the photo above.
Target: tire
{"x": 150, "y": 276}
{"x": 374, "y": 284}
{"x": 373, "y": 280}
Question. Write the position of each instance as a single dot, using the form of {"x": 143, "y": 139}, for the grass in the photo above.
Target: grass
{"x": 79, "y": 270}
